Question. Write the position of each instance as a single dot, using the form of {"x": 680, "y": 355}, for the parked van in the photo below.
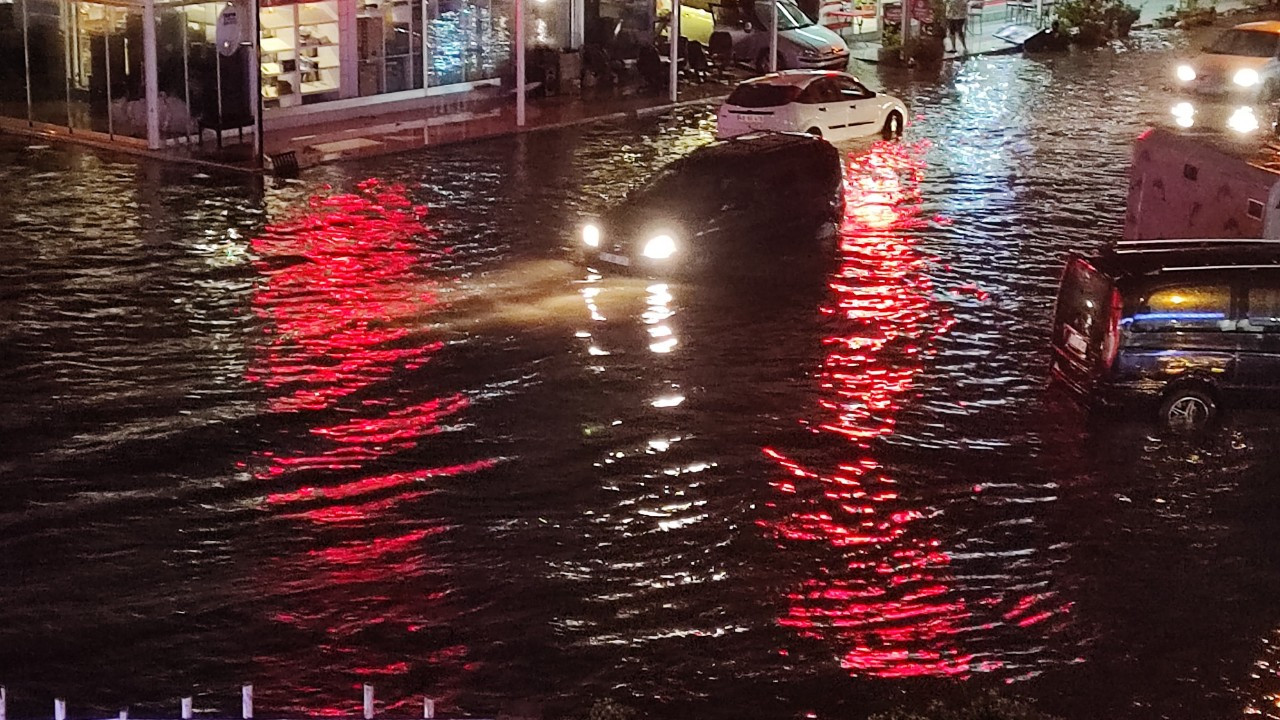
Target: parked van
{"x": 1187, "y": 327}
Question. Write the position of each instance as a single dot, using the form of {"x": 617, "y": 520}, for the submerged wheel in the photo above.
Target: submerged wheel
{"x": 762, "y": 61}
{"x": 892, "y": 126}
{"x": 1187, "y": 410}
{"x": 816, "y": 132}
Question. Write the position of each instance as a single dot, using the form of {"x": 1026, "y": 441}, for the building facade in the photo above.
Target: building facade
{"x": 157, "y": 73}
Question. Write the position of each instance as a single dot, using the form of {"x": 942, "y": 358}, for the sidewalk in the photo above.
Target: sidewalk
{"x": 442, "y": 122}
{"x": 998, "y": 15}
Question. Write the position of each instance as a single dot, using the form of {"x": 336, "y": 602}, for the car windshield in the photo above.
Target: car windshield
{"x": 790, "y": 17}
{"x": 1248, "y": 43}
{"x": 683, "y": 181}
{"x": 762, "y": 95}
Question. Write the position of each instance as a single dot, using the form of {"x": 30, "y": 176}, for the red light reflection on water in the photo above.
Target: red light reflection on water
{"x": 340, "y": 293}
{"x": 885, "y": 595}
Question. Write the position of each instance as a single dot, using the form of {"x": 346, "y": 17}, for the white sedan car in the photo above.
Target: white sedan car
{"x": 826, "y": 103}
{"x": 1243, "y": 61}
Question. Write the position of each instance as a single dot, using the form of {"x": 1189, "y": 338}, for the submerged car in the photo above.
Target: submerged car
{"x": 1188, "y": 327}
{"x": 1244, "y": 62}
{"x": 736, "y": 206}
{"x": 828, "y": 104}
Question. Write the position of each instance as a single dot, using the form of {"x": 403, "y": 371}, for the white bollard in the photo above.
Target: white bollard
{"x": 428, "y": 708}
{"x": 368, "y": 702}
{"x": 246, "y": 702}
{"x": 3, "y": 701}
{"x": 124, "y": 714}
{"x": 186, "y": 708}
{"x": 59, "y": 710}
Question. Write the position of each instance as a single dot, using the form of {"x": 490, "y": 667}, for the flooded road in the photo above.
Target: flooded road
{"x": 373, "y": 426}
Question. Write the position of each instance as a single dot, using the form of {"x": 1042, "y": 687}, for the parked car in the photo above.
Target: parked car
{"x": 802, "y": 43}
{"x": 749, "y": 205}
{"x": 1186, "y": 326}
{"x": 828, "y": 104}
{"x": 1244, "y": 62}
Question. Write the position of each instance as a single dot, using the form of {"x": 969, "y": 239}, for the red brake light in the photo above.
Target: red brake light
{"x": 1111, "y": 341}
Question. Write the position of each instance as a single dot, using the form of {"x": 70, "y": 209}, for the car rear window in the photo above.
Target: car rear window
{"x": 1084, "y": 300}
{"x": 1249, "y": 43}
{"x": 760, "y": 95}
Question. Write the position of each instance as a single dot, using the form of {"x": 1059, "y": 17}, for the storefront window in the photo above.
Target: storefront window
{"x": 13, "y": 70}
{"x": 389, "y": 36}
{"x": 470, "y": 40}
{"x": 300, "y": 54}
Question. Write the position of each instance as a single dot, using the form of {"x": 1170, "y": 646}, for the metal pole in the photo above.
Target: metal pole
{"x": 186, "y": 702}
{"x": 428, "y": 709}
{"x": 150, "y": 74}
{"x": 255, "y": 83}
{"x": 906, "y": 25}
{"x": 59, "y": 709}
{"x": 106, "y": 44}
{"x": 26, "y": 62}
{"x": 246, "y": 702}
{"x": 520, "y": 64}
{"x": 368, "y": 702}
{"x": 673, "y": 34}
{"x": 65, "y": 13}
{"x": 4, "y": 701}
{"x": 773, "y": 35}
{"x": 186, "y": 82}
{"x": 217, "y": 74}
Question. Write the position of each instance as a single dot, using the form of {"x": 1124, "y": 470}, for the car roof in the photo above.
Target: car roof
{"x": 1153, "y": 257}
{"x": 1271, "y": 26}
{"x": 754, "y": 144}
{"x": 799, "y": 78}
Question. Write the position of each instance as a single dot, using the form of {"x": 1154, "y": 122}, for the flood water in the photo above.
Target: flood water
{"x": 373, "y": 426}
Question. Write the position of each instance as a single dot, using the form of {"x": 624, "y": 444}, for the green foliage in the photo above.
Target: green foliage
{"x": 891, "y": 38}
{"x": 991, "y": 706}
{"x": 1096, "y": 21}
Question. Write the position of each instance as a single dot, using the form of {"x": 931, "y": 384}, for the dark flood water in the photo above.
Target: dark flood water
{"x": 373, "y": 426}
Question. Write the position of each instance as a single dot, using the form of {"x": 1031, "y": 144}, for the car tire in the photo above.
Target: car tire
{"x": 892, "y": 126}
{"x": 1187, "y": 410}
{"x": 762, "y": 61}
{"x": 814, "y": 131}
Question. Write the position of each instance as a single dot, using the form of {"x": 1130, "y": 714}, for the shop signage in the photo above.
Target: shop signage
{"x": 229, "y": 33}
{"x": 921, "y": 11}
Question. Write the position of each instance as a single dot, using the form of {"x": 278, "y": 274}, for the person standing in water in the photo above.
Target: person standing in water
{"x": 957, "y": 18}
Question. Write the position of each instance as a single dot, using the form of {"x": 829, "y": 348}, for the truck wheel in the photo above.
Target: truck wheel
{"x": 1187, "y": 410}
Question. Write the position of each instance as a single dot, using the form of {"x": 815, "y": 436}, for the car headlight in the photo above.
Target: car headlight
{"x": 1243, "y": 120}
{"x": 1186, "y": 73}
{"x": 1246, "y": 77}
{"x": 660, "y": 247}
{"x": 591, "y": 235}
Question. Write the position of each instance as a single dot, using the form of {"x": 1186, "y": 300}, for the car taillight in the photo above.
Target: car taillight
{"x": 1111, "y": 341}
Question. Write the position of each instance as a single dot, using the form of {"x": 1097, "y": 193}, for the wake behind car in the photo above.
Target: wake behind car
{"x": 1186, "y": 326}
{"x": 828, "y": 104}
{"x": 735, "y": 206}
{"x": 1243, "y": 62}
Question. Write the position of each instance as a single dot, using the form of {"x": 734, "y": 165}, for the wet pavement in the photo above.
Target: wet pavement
{"x": 372, "y": 426}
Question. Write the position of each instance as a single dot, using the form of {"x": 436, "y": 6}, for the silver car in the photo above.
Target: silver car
{"x": 802, "y": 43}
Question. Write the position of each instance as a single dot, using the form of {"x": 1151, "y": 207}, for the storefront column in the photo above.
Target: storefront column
{"x": 577, "y": 22}
{"x": 150, "y": 76}
{"x": 673, "y": 34}
{"x": 255, "y": 78}
{"x": 26, "y": 61}
{"x": 520, "y": 63}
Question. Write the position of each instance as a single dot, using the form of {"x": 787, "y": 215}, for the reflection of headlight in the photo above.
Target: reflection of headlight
{"x": 660, "y": 247}
{"x": 1183, "y": 114}
{"x": 1246, "y": 77}
{"x": 591, "y": 235}
{"x": 1243, "y": 120}
{"x": 1186, "y": 73}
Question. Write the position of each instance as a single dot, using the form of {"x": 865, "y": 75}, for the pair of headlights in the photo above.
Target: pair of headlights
{"x": 1244, "y": 77}
{"x": 659, "y": 247}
